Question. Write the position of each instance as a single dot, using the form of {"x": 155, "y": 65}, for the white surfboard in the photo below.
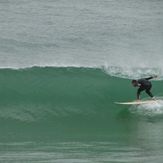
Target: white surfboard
{"x": 138, "y": 102}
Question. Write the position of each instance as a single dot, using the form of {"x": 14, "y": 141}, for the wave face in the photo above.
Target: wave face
{"x": 37, "y": 94}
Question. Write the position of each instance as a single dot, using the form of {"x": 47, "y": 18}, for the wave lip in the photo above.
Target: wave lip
{"x": 116, "y": 71}
{"x": 134, "y": 72}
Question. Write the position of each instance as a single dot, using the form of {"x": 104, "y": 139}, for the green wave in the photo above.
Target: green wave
{"x": 50, "y": 93}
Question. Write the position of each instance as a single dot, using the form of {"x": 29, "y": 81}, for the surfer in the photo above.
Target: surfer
{"x": 144, "y": 85}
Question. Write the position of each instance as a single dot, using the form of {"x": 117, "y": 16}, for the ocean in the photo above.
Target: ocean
{"x": 63, "y": 65}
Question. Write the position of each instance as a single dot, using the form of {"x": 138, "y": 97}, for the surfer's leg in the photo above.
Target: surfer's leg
{"x": 149, "y": 92}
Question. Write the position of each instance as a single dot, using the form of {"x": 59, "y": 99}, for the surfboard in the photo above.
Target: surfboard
{"x": 137, "y": 102}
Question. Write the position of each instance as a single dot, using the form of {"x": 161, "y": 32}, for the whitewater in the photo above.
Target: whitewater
{"x": 63, "y": 64}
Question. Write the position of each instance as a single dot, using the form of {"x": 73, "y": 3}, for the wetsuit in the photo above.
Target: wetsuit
{"x": 144, "y": 84}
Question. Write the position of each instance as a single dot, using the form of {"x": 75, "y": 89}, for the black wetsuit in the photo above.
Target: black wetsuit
{"x": 144, "y": 84}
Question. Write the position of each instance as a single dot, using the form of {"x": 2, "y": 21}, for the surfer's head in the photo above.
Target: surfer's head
{"x": 134, "y": 83}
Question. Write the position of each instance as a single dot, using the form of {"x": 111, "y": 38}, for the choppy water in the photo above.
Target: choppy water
{"x": 63, "y": 65}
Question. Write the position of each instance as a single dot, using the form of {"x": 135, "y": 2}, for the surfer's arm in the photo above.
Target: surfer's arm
{"x": 151, "y": 77}
{"x": 138, "y": 93}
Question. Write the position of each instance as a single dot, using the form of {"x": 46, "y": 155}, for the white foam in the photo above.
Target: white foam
{"x": 151, "y": 109}
{"x": 134, "y": 72}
